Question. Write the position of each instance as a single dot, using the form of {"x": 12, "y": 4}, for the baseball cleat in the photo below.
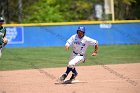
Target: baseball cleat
{"x": 73, "y": 76}
{"x": 62, "y": 78}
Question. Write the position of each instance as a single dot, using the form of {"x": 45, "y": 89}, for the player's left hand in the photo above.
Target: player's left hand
{"x": 5, "y": 40}
{"x": 94, "y": 54}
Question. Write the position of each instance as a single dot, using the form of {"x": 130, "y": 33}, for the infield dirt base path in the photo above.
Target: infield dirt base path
{"x": 122, "y": 78}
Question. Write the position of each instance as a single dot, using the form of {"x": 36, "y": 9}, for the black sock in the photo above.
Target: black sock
{"x": 74, "y": 71}
{"x": 68, "y": 70}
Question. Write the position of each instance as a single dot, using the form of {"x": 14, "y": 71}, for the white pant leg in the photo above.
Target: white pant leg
{"x": 0, "y": 52}
{"x": 76, "y": 60}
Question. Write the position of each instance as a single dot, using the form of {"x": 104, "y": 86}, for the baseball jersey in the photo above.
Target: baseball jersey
{"x": 80, "y": 45}
{"x": 2, "y": 34}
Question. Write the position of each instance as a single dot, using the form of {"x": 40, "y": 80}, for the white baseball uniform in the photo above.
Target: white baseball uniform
{"x": 79, "y": 48}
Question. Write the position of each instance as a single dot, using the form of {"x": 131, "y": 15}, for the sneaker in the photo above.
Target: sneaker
{"x": 62, "y": 78}
{"x": 73, "y": 76}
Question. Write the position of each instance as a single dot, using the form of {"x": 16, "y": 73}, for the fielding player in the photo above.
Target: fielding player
{"x": 3, "y": 40}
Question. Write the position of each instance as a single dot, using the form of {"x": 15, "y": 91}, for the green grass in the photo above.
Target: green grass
{"x": 45, "y": 57}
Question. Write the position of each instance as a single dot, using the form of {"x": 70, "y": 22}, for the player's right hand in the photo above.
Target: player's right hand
{"x": 67, "y": 47}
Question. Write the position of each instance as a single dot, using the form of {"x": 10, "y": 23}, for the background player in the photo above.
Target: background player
{"x": 80, "y": 43}
{"x": 3, "y": 40}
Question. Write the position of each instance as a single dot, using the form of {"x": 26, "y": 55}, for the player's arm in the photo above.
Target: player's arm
{"x": 94, "y": 43}
{"x": 69, "y": 42}
{"x": 5, "y": 41}
{"x": 95, "y": 50}
{"x": 67, "y": 45}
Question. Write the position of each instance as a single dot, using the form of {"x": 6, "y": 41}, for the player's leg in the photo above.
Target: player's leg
{"x": 68, "y": 69}
{"x": 3, "y": 43}
{"x": 71, "y": 67}
{"x": 0, "y": 51}
{"x": 74, "y": 74}
{"x": 72, "y": 63}
{"x": 0, "y": 48}
{"x": 76, "y": 60}
{"x": 63, "y": 77}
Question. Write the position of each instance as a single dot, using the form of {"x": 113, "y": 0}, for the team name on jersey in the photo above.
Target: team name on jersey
{"x": 79, "y": 43}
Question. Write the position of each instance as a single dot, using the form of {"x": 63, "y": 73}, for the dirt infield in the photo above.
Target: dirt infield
{"x": 122, "y": 78}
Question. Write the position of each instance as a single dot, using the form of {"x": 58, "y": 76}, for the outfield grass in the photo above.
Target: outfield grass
{"x": 44, "y": 57}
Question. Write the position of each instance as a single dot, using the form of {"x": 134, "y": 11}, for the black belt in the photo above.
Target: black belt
{"x": 77, "y": 53}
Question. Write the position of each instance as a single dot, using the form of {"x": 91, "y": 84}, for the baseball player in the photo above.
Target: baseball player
{"x": 3, "y": 39}
{"x": 80, "y": 42}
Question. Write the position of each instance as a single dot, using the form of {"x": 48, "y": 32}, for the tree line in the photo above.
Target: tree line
{"x": 38, "y": 11}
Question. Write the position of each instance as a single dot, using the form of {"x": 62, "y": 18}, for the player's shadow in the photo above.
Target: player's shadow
{"x": 71, "y": 82}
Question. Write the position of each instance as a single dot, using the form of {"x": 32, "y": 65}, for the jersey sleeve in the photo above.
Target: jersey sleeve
{"x": 92, "y": 42}
{"x": 70, "y": 40}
